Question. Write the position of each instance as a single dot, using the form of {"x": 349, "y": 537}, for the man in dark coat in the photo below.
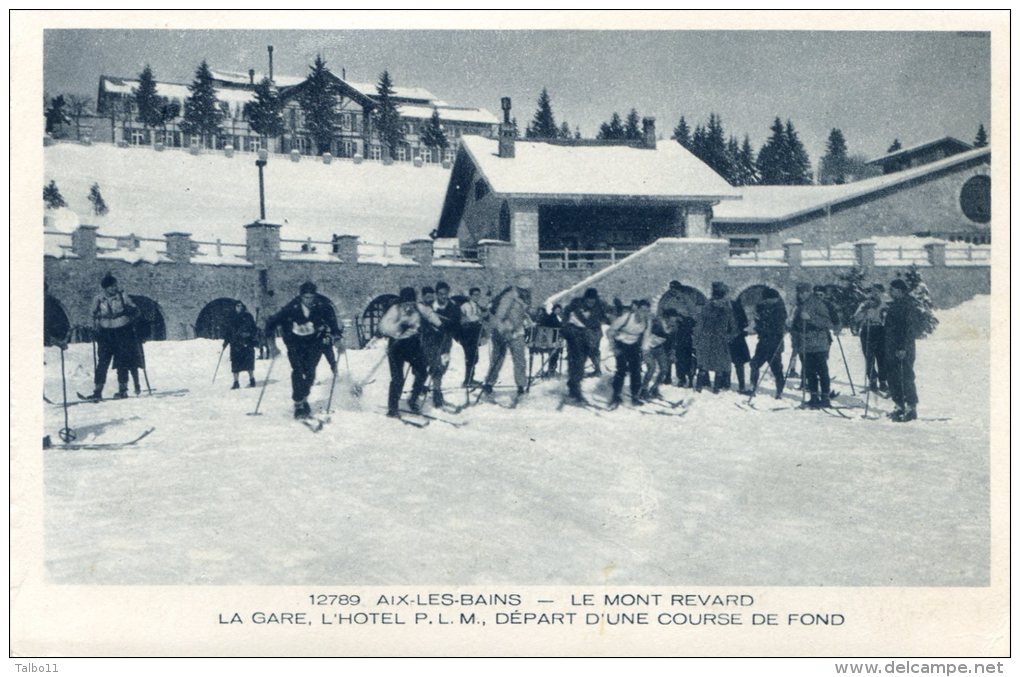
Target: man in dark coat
{"x": 901, "y": 323}
{"x": 716, "y": 328}
{"x": 582, "y": 325}
{"x": 449, "y": 315}
{"x": 810, "y": 329}
{"x": 739, "y": 353}
{"x": 114, "y": 313}
{"x": 241, "y": 337}
{"x": 402, "y": 324}
{"x": 308, "y": 323}
{"x": 770, "y": 325}
{"x": 870, "y": 319}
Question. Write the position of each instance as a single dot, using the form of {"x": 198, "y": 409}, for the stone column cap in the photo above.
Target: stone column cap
{"x": 263, "y": 224}
{"x": 793, "y": 240}
{"x": 177, "y": 234}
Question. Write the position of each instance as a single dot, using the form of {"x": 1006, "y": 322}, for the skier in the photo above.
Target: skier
{"x": 510, "y": 322}
{"x": 449, "y": 315}
{"x": 902, "y": 321}
{"x": 810, "y": 327}
{"x": 402, "y": 324}
{"x": 658, "y": 351}
{"x": 241, "y": 337}
{"x": 583, "y": 315}
{"x": 629, "y": 332}
{"x": 739, "y": 353}
{"x": 716, "y": 328}
{"x": 552, "y": 320}
{"x": 113, "y": 312}
{"x": 770, "y": 325}
{"x": 472, "y": 314}
{"x": 684, "y": 346}
{"x": 308, "y": 323}
{"x": 870, "y": 320}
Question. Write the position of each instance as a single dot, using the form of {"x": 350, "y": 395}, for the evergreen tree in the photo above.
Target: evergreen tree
{"x": 713, "y": 150}
{"x": 99, "y": 207}
{"x": 147, "y": 102}
{"x": 835, "y": 161}
{"x": 733, "y": 160}
{"x": 612, "y": 130}
{"x": 318, "y": 101}
{"x": 981, "y": 140}
{"x": 517, "y": 131}
{"x": 632, "y": 128}
{"x": 543, "y": 125}
{"x": 849, "y": 294}
{"x": 56, "y": 114}
{"x": 682, "y": 133}
{"x": 202, "y": 112}
{"x": 565, "y": 132}
{"x": 432, "y": 134}
{"x": 387, "y": 117}
{"x": 896, "y": 145}
{"x": 167, "y": 112}
{"x": 52, "y": 197}
{"x": 798, "y": 165}
{"x": 577, "y": 132}
{"x": 265, "y": 113}
{"x": 698, "y": 143}
{"x": 770, "y": 157}
{"x": 921, "y": 297}
{"x": 746, "y": 168}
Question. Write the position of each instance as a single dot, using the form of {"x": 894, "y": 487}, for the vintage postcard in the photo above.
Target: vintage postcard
{"x": 440, "y": 333}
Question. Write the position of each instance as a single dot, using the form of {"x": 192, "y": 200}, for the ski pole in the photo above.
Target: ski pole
{"x": 95, "y": 359}
{"x": 845, "y": 365}
{"x": 66, "y": 434}
{"x": 358, "y": 388}
{"x": 332, "y": 385}
{"x": 217, "y": 370}
{"x": 265, "y": 382}
{"x": 867, "y": 367}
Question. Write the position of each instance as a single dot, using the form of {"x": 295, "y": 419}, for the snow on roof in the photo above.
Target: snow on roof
{"x": 917, "y": 147}
{"x": 669, "y": 171}
{"x": 173, "y": 90}
{"x": 453, "y": 114}
{"x": 369, "y": 89}
{"x": 776, "y": 203}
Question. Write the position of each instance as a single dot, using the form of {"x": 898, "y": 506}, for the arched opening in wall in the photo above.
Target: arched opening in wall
{"x": 751, "y": 297}
{"x": 150, "y": 325}
{"x": 56, "y": 325}
{"x": 976, "y": 199}
{"x": 214, "y": 320}
{"x": 686, "y": 300}
{"x": 369, "y": 320}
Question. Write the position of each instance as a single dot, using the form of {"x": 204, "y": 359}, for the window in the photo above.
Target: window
{"x": 345, "y": 122}
{"x": 481, "y": 189}
{"x": 976, "y": 199}
{"x": 448, "y": 155}
{"x": 408, "y": 128}
{"x": 137, "y": 137}
{"x": 348, "y": 149}
{"x": 743, "y": 245}
{"x": 401, "y": 153}
{"x": 196, "y": 140}
{"x": 303, "y": 145}
{"x": 375, "y": 153}
{"x": 254, "y": 144}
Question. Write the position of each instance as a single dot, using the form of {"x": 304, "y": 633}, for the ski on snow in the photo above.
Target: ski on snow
{"x": 88, "y": 399}
{"x": 77, "y": 446}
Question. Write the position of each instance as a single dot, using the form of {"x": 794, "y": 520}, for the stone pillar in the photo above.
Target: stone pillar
{"x": 496, "y": 254}
{"x": 178, "y": 247}
{"x": 793, "y": 252}
{"x": 228, "y": 151}
{"x": 699, "y": 221}
{"x": 83, "y": 241}
{"x": 419, "y": 250}
{"x": 346, "y": 248}
{"x": 262, "y": 243}
{"x": 327, "y": 158}
{"x": 936, "y": 253}
{"x": 524, "y": 236}
{"x": 864, "y": 253}
{"x": 295, "y": 155}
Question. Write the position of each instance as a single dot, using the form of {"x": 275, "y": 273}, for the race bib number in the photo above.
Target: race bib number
{"x": 306, "y": 329}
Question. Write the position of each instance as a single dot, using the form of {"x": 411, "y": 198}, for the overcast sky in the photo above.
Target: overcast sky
{"x": 874, "y": 86}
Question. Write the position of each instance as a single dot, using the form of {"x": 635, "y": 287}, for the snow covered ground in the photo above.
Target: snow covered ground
{"x": 720, "y": 496}
{"x": 211, "y": 196}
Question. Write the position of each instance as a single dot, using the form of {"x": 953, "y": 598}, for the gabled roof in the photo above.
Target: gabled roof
{"x": 399, "y": 92}
{"x": 345, "y": 88}
{"x": 951, "y": 142}
{"x": 766, "y": 204}
{"x": 669, "y": 172}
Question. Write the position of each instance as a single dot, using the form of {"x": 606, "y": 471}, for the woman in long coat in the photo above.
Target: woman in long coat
{"x": 716, "y": 328}
{"x": 242, "y": 337}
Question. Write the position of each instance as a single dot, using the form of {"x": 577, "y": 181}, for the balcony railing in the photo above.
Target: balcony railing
{"x": 574, "y": 259}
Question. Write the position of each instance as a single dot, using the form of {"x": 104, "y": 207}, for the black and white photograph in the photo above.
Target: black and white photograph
{"x": 470, "y": 319}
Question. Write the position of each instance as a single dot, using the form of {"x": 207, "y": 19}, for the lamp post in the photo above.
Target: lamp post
{"x": 260, "y": 163}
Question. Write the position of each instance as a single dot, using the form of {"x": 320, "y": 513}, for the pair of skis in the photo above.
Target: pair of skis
{"x": 81, "y": 446}
{"x": 88, "y": 399}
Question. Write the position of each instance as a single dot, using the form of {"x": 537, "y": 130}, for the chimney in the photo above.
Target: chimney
{"x": 648, "y": 126}
{"x": 507, "y": 138}
{"x": 343, "y": 74}
{"x": 270, "y": 63}
{"x": 251, "y": 76}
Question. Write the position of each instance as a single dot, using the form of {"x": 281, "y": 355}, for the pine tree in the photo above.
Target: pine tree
{"x": 543, "y": 125}
{"x": 147, "y": 102}
{"x": 748, "y": 171}
{"x": 565, "y": 132}
{"x": 835, "y": 161}
{"x": 387, "y": 117}
{"x": 632, "y": 128}
{"x": 921, "y": 297}
{"x": 56, "y": 114}
{"x": 612, "y": 130}
{"x": 896, "y": 145}
{"x": 698, "y": 142}
{"x": 770, "y": 157}
{"x": 265, "y": 113}
{"x": 318, "y": 102}
{"x": 798, "y": 168}
{"x": 99, "y": 207}
{"x": 202, "y": 112}
{"x": 682, "y": 133}
{"x": 849, "y": 294}
{"x": 52, "y": 197}
{"x": 713, "y": 148}
{"x": 981, "y": 140}
{"x": 432, "y": 134}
